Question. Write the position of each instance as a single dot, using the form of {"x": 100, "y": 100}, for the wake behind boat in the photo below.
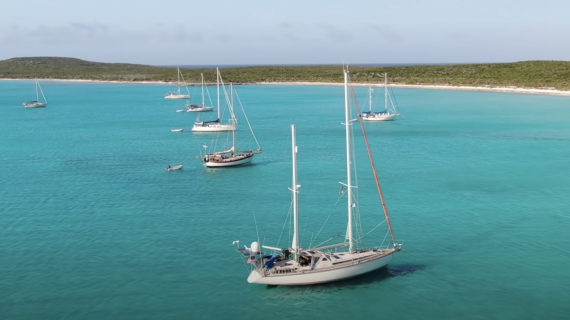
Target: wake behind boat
{"x": 37, "y": 103}
{"x": 296, "y": 265}
{"x": 389, "y": 113}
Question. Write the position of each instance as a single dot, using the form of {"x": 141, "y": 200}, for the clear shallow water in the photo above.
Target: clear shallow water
{"x": 91, "y": 226}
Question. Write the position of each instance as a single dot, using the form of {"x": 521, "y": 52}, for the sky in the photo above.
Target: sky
{"x": 254, "y": 32}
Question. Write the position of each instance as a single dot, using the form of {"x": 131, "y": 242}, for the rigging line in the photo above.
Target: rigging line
{"x": 355, "y": 193}
{"x": 395, "y": 104}
{"x": 357, "y": 216}
{"x": 230, "y": 106}
{"x": 256, "y": 230}
{"x": 373, "y": 167}
{"x": 312, "y": 240}
{"x": 406, "y": 261}
{"x": 410, "y": 253}
{"x": 247, "y": 120}
{"x": 290, "y": 216}
{"x": 392, "y": 95}
{"x": 334, "y": 237}
{"x": 337, "y": 200}
{"x": 384, "y": 239}
{"x": 245, "y": 265}
{"x": 381, "y": 223}
{"x": 284, "y": 224}
{"x": 304, "y": 229}
{"x": 209, "y": 96}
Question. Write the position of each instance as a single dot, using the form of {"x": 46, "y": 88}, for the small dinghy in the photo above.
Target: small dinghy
{"x": 169, "y": 168}
{"x": 177, "y": 130}
{"x": 179, "y": 110}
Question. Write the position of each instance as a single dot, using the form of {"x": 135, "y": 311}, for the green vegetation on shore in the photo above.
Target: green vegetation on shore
{"x": 525, "y": 74}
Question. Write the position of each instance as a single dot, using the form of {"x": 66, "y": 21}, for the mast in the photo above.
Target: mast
{"x": 386, "y": 91}
{"x": 218, "y": 87}
{"x": 294, "y": 189}
{"x": 232, "y": 107}
{"x": 348, "y": 166}
{"x": 370, "y": 98}
{"x": 37, "y": 93}
{"x": 178, "y": 69}
{"x": 202, "y": 75}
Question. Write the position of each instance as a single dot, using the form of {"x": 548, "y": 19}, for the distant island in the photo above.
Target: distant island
{"x": 544, "y": 75}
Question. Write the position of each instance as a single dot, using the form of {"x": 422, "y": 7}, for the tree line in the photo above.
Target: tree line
{"x": 525, "y": 74}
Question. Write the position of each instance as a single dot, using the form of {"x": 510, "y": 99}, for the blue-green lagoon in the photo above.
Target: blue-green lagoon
{"x": 93, "y": 227}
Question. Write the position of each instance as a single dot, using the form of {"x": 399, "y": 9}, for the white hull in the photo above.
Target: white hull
{"x": 177, "y": 130}
{"x": 177, "y": 96}
{"x": 35, "y": 105}
{"x": 174, "y": 168}
{"x": 381, "y": 117}
{"x": 202, "y": 109}
{"x": 230, "y": 162}
{"x": 213, "y": 127}
{"x": 319, "y": 276}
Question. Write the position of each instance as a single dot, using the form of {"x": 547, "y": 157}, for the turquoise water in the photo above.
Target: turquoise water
{"x": 92, "y": 227}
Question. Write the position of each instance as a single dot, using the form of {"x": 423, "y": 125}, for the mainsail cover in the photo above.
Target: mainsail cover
{"x": 225, "y": 152}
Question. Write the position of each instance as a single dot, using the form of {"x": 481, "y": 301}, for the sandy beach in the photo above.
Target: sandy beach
{"x": 436, "y": 87}
{"x": 489, "y": 88}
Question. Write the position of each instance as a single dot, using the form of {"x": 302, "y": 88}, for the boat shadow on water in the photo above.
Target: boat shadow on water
{"x": 366, "y": 279}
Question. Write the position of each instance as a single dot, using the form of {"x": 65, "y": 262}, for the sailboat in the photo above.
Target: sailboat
{"x": 216, "y": 125}
{"x": 202, "y": 107}
{"x": 389, "y": 112}
{"x": 231, "y": 157}
{"x": 178, "y": 94}
{"x": 296, "y": 265}
{"x": 36, "y": 103}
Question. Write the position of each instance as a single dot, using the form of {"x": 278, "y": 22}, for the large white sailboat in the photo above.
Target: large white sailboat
{"x": 389, "y": 112}
{"x": 178, "y": 94}
{"x": 202, "y": 107}
{"x": 296, "y": 265}
{"x": 231, "y": 157}
{"x": 216, "y": 125}
{"x": 37, "y": 103}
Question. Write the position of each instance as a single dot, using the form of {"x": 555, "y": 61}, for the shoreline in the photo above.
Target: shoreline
{"x": 487, "y": 88}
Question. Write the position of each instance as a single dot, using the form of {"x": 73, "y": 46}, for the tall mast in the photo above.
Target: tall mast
{"x": 202, "y": 75}
{"x": 232, "y": 108}
{"x": 218, "y": 86}
{"x": 178, "y": 69}
{"x": 348, "y": 165}
{"x": 37, "y": 93}
{"x": 370, "y": 98}
{"x": 294, "y": 189}
{"x": 386, "y": 91}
